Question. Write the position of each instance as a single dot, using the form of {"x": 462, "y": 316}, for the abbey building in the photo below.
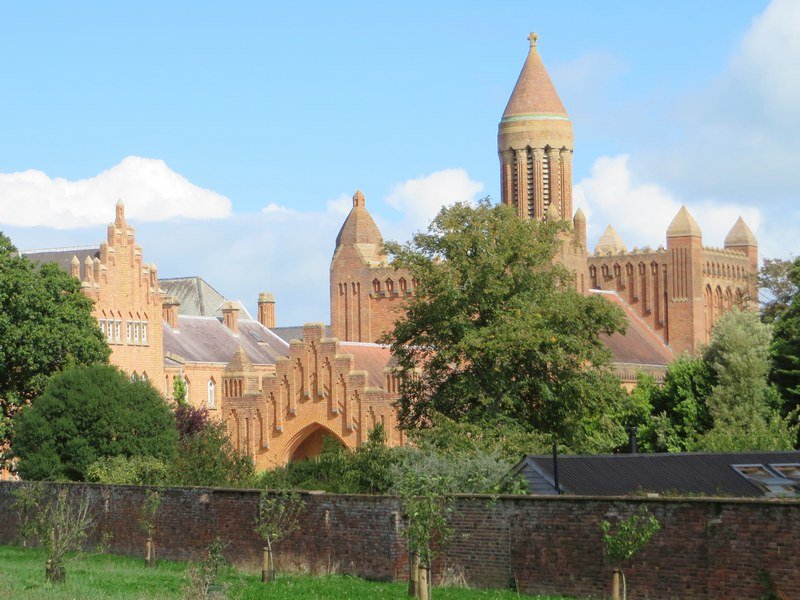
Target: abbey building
{"x": 281, "y": 390}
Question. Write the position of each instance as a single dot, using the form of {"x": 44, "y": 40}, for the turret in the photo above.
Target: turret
{"x": 687, "y": 326}
{"x": 535, "y": 144}
{"x": 610, "y": 243}
{"x": 579, "y": 224}
{"x": 75, "y": 267}
{"x": 742, "y": 239}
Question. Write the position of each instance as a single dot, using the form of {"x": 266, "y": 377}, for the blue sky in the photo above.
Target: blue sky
{"x": 200, "y": 116}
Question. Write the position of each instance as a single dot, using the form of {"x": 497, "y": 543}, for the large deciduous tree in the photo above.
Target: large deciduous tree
{"x": 495, "y": 329}
{"x": 89, "y": 413}
{"x": 777, "y": 287}
{"x": 46, "y": 324}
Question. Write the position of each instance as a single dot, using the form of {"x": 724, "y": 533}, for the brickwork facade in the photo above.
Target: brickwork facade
{"x": 127, "y": 301}
{"x": 707, "y": 549}
{"x": 317, "y": 390}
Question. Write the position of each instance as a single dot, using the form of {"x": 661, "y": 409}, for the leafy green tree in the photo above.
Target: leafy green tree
{"x": 786, "y": 347}
{"x": 128, "y": 470}
{"x": 496, "y": 329}
{"x": 46, "y": 325}
{"x": 678, "y": 411}
{"x": 743, "y": 406}
{"x": 87, "y": 413}
{"x": 627, "y": 539}
{"x": 777, "y": 287}
{"x": 206, "y": 457}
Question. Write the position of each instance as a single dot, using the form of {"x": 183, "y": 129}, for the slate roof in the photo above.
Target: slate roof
{"x": 696, "y": 473}
{"x": 62, "y": 257}
{"x": 207, "y": 340}
{"x": 640, "y": 345}
{"x": 294, "y": 332}
{"x": 372, "y": 358}
{"x": 197, "y": 297}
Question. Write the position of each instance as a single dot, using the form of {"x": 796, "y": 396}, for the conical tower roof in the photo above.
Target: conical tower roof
{"x": 610, "y": 242}
{"x": 534, "y": 94}
{"x": 740, "y": 235}
{"x": 359, "y": 228}
{"x": 684, "y": 225}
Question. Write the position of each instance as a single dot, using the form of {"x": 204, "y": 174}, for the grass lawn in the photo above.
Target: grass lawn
{"x": 108, "y": 576}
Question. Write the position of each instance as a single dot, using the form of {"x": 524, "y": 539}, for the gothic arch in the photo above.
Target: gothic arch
{"x": 307, "y": 443}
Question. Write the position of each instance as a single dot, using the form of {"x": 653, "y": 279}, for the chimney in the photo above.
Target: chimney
{"x": 170, "y": 306}
{"x": 266, "y": 309}
{"x": 230, "y": 316}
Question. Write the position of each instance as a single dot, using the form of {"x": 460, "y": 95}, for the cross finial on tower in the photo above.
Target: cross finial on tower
{"x": 533, "y": 37}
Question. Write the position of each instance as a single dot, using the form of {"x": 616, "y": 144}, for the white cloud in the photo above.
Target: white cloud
{"x": 150, "y": 189}
{"x": 641, "y": 212}
{"x": 421, "y": 199}
{"x": 737, "y": 136}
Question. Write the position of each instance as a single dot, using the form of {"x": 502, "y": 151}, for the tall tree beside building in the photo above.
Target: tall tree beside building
{"x": 777, "y": 287}
{"x": 786, "y": 346}
{"x": 46, "y": 324}
{"x": 496, "y": 330}
{"x": 744, "y": 407}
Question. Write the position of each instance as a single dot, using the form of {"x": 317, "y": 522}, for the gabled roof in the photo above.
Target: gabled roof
{"x": 207, "y": 340}
{"x": 62, "y": 257}
{"x": 534, "y": 94}
{"x": 640, "y": 345}
{"x": 197, "y": 297}
{"x": 710, "y": 474}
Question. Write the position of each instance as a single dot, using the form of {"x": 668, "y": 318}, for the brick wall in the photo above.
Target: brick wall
{"x": 707, "y": 548}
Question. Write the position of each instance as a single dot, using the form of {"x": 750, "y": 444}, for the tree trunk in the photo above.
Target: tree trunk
{"x": 55, "y": 573}
{"x": 150, "y": 555}
{"x": 424, "y": 583}
{"x": 267, "y": 565}
{"x": 615, "y": 595}
{"x": 413, "y": 575}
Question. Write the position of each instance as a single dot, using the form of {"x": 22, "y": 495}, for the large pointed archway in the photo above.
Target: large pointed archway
{"x": 309, "y": 441}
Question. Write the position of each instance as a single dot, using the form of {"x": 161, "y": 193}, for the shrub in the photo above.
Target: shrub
{"x": 89, "y": 413}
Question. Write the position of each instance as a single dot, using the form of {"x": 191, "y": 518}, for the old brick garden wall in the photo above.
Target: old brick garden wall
{"x": 707, "y": 548}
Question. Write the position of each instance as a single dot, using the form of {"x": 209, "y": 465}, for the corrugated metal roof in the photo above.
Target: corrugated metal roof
{"x": 639, "y": 345}
{"x": 702, "y": 473}
{"x": 197, "y": 297}
{"x": 62, "y": 257}
{"x": 207, "y": 340}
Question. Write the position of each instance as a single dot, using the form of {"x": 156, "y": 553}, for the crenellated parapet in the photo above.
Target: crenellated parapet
{"x": 324, "y": 387}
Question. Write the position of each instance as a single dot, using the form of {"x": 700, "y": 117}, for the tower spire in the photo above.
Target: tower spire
{"x": 535, "y": 145}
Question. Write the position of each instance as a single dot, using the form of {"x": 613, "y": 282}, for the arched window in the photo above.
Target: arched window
{"x": 376, "y": 286}
{"x": 402, "y": 283}
{"x": 144, "y": 376}
{"x": 134, "y": 377}
{"x": 389, "y": 285}
{"x": 212, "y": 394}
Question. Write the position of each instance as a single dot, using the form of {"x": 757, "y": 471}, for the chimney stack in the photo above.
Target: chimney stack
{"x": 266, "y": 309}
{"x": 170, "y": 306}
{"x": 230, "y": 316}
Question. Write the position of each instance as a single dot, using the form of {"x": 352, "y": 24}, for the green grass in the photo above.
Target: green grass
{"x": 108, "y": 576}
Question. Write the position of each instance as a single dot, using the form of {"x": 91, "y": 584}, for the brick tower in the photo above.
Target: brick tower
{"x": 535, "y": 145}
{"x": 366, "y": 292}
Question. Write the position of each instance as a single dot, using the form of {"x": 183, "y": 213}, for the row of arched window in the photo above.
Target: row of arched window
{"x": 389, "y": 285}
{"x": 211, "y": 389}
{"x": 722, "y": 270}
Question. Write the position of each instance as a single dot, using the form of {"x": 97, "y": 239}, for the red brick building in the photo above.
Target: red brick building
{"x": 280, "y": 390}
